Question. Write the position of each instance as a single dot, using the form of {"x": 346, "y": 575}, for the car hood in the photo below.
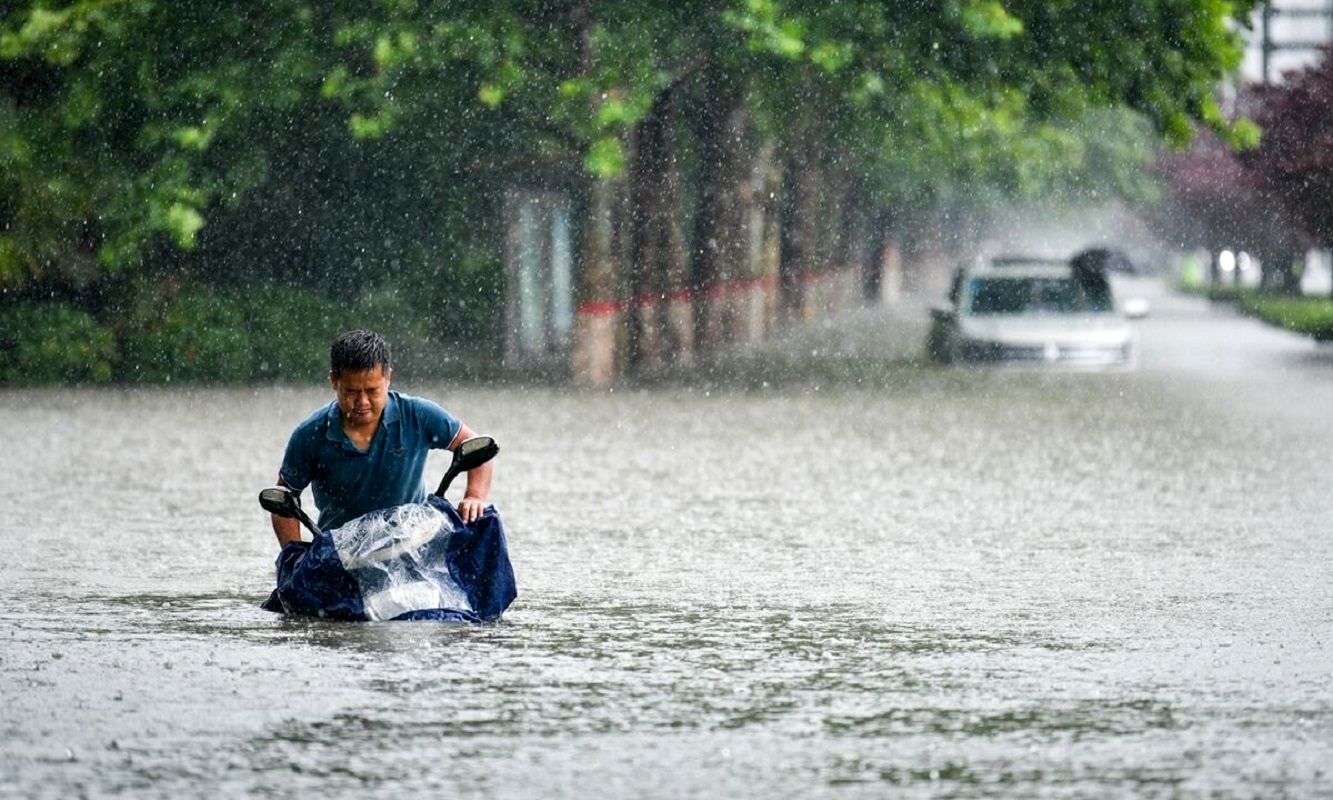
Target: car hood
{"x": 1105, "y": 330}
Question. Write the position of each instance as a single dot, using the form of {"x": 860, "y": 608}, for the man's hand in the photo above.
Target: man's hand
{"x": 470, "y": 508}
{"x": 478, "y": 482}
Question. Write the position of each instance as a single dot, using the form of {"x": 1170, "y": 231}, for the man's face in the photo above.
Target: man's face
{"x": 362, "y": 395}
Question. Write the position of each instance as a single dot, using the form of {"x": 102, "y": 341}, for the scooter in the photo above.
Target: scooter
{"x": 417, "y": 561}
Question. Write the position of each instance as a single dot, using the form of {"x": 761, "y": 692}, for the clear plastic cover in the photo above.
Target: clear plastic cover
{"x": 397, "y": 558}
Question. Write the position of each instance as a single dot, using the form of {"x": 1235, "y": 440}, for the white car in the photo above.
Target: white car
{"x": 1033, "y": 311}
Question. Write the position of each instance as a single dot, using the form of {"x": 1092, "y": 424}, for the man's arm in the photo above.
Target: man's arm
{"x": 286, "y": 528}
{"x": 478, "y": 482}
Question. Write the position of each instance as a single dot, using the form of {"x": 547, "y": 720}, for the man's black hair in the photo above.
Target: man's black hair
{"x": 358, "y": 351}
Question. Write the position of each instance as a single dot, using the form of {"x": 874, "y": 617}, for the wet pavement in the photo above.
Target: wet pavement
{"x": 830, "y": 571}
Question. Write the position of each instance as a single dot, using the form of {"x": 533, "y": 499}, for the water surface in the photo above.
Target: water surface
{"x": 849, "y": 580}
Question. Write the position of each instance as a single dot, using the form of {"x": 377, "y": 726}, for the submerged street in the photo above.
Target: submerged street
{"x": 835, "y": 572}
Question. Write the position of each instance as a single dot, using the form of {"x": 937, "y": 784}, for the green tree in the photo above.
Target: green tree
{"x": 343, "y": 145}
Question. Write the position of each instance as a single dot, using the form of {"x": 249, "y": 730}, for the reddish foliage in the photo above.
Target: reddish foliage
{"x": 1222, "y": 202}
{"x": 1276, "y": 198}
{"x": 1294, "y": 161}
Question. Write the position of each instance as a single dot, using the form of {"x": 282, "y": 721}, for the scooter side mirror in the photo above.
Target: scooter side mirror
{"x": 280, "y": 500}
{"x": 474, "y": 452}
{"x": 470, "y": 454}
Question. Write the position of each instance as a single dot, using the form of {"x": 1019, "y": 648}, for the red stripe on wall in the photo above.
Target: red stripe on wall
{"x": 595, "y": 309}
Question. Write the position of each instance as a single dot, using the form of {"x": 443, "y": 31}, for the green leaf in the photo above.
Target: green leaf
{"x": 384, "y": 51}
{"x": 575, "y": 88}
{"x": 183, "y": 222}
{"x": 606, "y": 158}
{"x": 192, "y": 138}
{"x": 335, "y": 83}
{"x": 1244, "y": 134}
{"x": 831, "y": 56}
{"x": 788, "y": 39}
{"x": 370, "y": 126}
{"x": 988, "y": 19}
{"x": 613, "y": 111}
{"x": 490, "y": 95}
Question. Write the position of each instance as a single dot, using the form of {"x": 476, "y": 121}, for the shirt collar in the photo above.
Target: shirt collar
{"x": 390, "y": 415}
{"x": 333, "y": 431}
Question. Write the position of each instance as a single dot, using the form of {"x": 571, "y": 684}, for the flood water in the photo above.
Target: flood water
{"x": 862, "y": 579}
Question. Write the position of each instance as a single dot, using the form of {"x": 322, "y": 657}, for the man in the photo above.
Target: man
{"x": 367, "y": 449}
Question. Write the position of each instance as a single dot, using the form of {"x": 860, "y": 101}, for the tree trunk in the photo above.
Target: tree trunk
{"x": 1276, "y": 270}
{"x": 873, "y": 260}
{"x": 721, "y": 232}
{"x": 661, "y": 323}
{"x": 800, "y": 233}
{"x": 752, "y": 319}
{"x": 599, "y": 313}
{"x": 598, "y": 318}
{"x": 1285, "y": 278}
{"x": 647, "y": 292}
{"x": 674, "y": 261}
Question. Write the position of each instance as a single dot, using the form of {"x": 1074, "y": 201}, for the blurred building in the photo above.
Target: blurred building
{"x": 1285, "y": 35}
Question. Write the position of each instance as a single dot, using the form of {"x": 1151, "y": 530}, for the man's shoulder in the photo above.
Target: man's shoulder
{"x": 315, "y": 423}
{"x": 411, "y": 404}
{"x": 426, "y": 417}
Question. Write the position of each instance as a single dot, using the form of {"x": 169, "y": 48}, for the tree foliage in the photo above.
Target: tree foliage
{"x": 1274, "y": 199}
{"x": 131, "y": 123}
{"x": 338, "y": 142}
{"x": 1214, "y": 201}
{"x": 1294, "y": 159}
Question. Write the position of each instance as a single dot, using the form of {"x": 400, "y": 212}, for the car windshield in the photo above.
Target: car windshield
{"x": 1028, "y": 295}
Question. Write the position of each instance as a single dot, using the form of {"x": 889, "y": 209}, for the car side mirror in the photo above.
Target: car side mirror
{"x": 942, "y": 312}
{"x": 1135, "y": 308}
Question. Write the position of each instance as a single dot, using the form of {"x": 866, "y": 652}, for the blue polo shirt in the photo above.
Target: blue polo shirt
{"x": 348, "y": 482}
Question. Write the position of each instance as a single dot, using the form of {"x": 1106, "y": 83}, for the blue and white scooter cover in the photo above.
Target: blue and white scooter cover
{"x": 410, "y": 562}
